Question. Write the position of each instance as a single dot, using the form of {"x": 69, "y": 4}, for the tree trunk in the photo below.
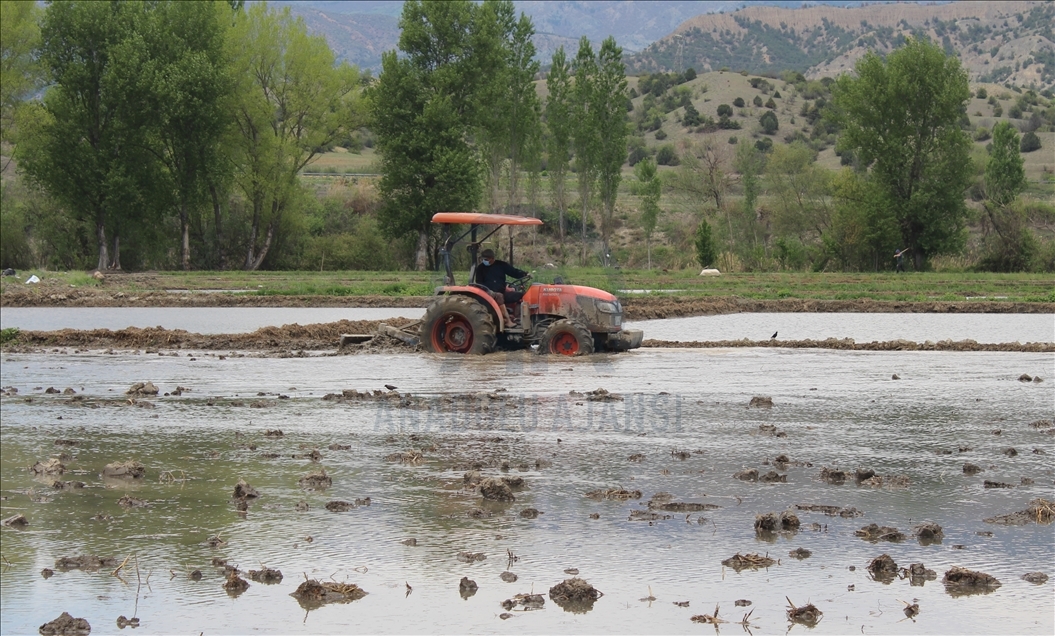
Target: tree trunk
{"x": 100, "y": 234}
{"x": 268, "y": 236}
{"x": 648, "y": 247}
{"x": 185, "y": 242}
{"x": 221, "y": 254}
{"x": 421, "y": 256}
{"x": 116, "y": 264}
{"x": 254, "y": 231}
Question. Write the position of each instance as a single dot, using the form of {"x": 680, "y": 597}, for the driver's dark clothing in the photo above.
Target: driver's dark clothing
{"x": 493, "y": 277}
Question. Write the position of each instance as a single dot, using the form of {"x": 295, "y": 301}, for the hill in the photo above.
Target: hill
{"x": 997, "y": 42}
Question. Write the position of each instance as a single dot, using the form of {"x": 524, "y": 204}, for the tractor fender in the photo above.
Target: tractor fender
{"x": 480, "y": 295}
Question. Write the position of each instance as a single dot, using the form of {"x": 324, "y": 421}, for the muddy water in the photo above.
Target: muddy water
{"x": 838, "y": 409}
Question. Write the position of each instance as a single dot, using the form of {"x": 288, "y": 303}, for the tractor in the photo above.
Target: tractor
{"x": 559, "y": 318}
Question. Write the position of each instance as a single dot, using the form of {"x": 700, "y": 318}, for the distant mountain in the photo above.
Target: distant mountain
{"x": 996, "y": 41}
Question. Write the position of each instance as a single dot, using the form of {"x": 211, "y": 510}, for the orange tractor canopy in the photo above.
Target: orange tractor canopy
{"x": 555, "y": 317}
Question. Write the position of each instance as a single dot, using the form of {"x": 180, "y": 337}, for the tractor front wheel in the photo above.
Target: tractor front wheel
{"x": 457, "y": 324}
{"x": 568, "y": 338}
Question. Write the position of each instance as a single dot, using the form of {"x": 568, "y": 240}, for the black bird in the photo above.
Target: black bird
{"x": 393, "y": 388}
{"x": 773, "y": 336}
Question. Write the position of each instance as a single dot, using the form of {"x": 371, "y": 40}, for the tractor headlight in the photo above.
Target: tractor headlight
{"x": 608, "y": 307}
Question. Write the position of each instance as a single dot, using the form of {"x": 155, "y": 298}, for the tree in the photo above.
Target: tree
{"x": 20, "y": 73}
{"x": 292, "y": 101}
{"x": 801, "y": 191}
{"x": 749, "y": 162}
{"x": 769, "y": 122}
{"x": 86, "y": 143}
{"x": 706, "y": 253}
{"x": 901, "y": 118}
{"x": 558, "y": 120}
{"x": 425, "y": 106}
{"x": 649, "y": 188}
{"x": 725, "y": 110}
{"x": 1030, "y": 142}
{"x": 1005, "y": 178}
{"x": 584, "y": 133}
{"x": 611, "y": 130}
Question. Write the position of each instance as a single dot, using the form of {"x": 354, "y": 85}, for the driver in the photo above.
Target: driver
{"x": 492, "y": 274}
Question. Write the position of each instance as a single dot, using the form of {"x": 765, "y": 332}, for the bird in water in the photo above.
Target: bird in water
{"x": 390, "y": 387}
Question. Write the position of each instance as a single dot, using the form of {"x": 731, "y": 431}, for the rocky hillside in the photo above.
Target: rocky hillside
{"x": 997, "y": 41}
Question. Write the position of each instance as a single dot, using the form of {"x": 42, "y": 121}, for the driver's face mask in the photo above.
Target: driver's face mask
{"x": 487, "y": 262}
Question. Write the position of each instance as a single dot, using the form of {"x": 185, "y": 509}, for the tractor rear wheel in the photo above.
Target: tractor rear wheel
{"x": 568, "y": 338}
{"x": 457, "y": 324}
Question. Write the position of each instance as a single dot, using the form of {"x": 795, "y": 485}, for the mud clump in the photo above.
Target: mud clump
{"x": 467, "y": 587}
{"x": 1037, "y": 578}
{"x": 614, "y": 494}
{"x": 928, "y": 533}
{"x": 49, "y": 467}
{"x": 772, "y": 477}
{"x": 636, "y": 457}
{"x": 807, "y": 615}
{"x": 529, "y": 513}
{"x": 800, "y": 553}
{"x": 242, "y": 490}
{"x": 770, "y": 430}
{"x": 874, "y": 533}
{"x": 647, "y": 515}
{"x": 267, "y": 576}
{"x": 746, "y": 475}
{"x": 574, "y": 595}
{"x": 883, "y": 568}
{"x": 831, "y": 511}
{"x": 142, "y": 389}
{"x": 918, "y": 574}
{"x": 496, "y": 490}
{"x": 413, "y": 457}
{"x": 66, "y": 625}
{"x": 16, "y": 521}
{"x": 740, "y": 562}
{"x": 235, "y": 585}
{"x": 508, "y": 577}
{"x": 1038, "y": 424}
{"x": 1040, "y": 510}
{"x": 471, "y": 557}
{"x": 274, "y": 434}
{"x": 86, "y": 562}
{"x": 773, "y": 522}
{"x": 833, "y": 476}
{"x": 963, "y": 581}
{"x": 681, "y": 506}
{"x": 67, "y": 485}
{"x": 971, "y": 469}
{"x": 996, "y": 484}
{"x": 526, "y": 602}
{"x": 761, "y": 402}
{"x": 345, "y": 506}
{"x": 130, "y": 469}
{"x": 312, "y": 594}
{"x": 132, "y": 502}
{"x": 316, "y": 480}
{"x": 123, "y": 622}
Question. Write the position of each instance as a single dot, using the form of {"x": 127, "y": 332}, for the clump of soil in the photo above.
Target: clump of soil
{"x": 772, "y": 477}
{"x": 311, "y": 593}
{"x": 508, "y": 577}
{"x": 316, "y": 480}
{"x": 770, "y": 430}
{"x": 1040, "y": 510}
{"x": 529, "y": 513}
{"x": 132, "y": 502}
{"x": 598, "y": 395}
{"x": 1042, "y": 424}
{"x": 242, "y": 490}
{"x": 339, "y": 447}
{"x": 996, "y": 484}
{"x": 472, "y": 478}
{"x": 48, "y": 467}
{"x": 274, "y": 434}
{"x": 647, "y": 515}
{"x": 267, "y": 576}
{"x": 636, "y": 457}
{"x": 88, "y": 562}
{"x": 807, "y": 615}
{"x": 471, "y": 557}
{"x": 831, "y": 511}
{"x": 833, "y": 475}
{"x": 761, "y": 402}
{"x": 1011, "y": 452}
{"x": 883, "y": 568}
{"x": 345, "y": 506}
{"x": 1037, "y": 578}
{"x": 750, "y": 474}
{"x": 142, "y": 388}
{"x": 479, "y": 513}
{"x": 928, "y": 533}
{"x": 681, "y": 506}
{"x": 971, "y": 469}
{"x": 123, "y": 622}
{"x": 526, "y": 602}
{"x": 496, "y": 490}
{"x": 129, "y": 468}
{"x": 467, "y": 587}
{"x": 66, "y": 442}
{"x": 16, "y": 521}
{"x": 771, "y": 522}
{"x": 741, "y": 562}
{"x": 800, "y": 553}
{"x": 514, "y": 482}
{"x": 963, "y": 581}
{"x": 235, "y": 585}
{"x": 615, "y": 494}
{"x": 66, "y": 625}
{"x": 67, "y": 485}
{"x": 574, "y": 595}
{"x": 895, "y": 481}
{"x": 874, "y": 533}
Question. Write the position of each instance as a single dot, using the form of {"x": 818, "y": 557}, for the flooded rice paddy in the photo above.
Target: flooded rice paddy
{"x": 676, "y": 425}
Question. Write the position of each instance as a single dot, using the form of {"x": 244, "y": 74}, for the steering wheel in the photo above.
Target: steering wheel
{"x": 520, "y": 284}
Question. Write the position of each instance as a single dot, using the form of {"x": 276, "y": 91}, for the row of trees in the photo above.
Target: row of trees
{"x": 191, "y": 119}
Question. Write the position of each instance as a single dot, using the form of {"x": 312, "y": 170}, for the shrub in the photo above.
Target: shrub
{"x": 725, "y": 110}
{"x": 728, "y": 124}
{"x": 1015, "y": 112}
{"x": 769, "y": 122}
{"x": 637, "y": 154}
{"x": 771, "y": 104}
{"x": 757, "y": 101}
{"x": 738, "y": 102}
{"x": 776, "y": 95}
{"x": 982, "y": 93}
{"x": 733, "y": 140}
{"x": 1030, "y": 142}
{"x": 982, "y": 134}
{"x": 764, "y": 144}
{"x": 998, "y": 111}
{"x": 706, "y": 253}
{"x": 691, "y": 117}
{"x": 667, "y": 156}
{"x": 661, "y": 134}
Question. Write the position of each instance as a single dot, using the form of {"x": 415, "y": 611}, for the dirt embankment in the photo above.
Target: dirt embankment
{"x": 635, "y": 307}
